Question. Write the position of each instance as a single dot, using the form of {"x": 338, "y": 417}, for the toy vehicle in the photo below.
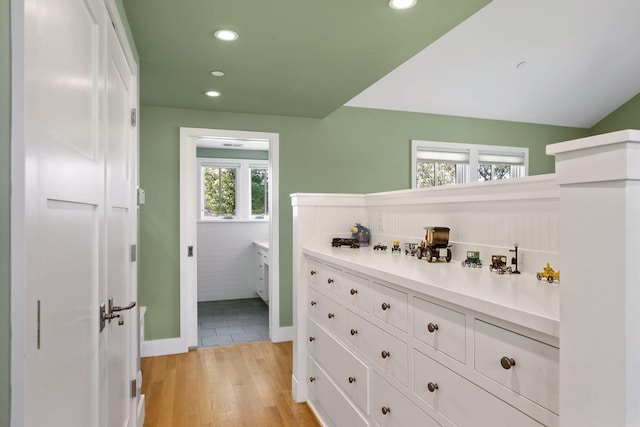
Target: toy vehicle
{"x": 549, "y": 274}
{"x": 472, "y": 260}
{"x": 380, "y": 246}
{"x": 396, "y": 246}
{"x": 435, "y": 244}
{"x": 499, "y": 264}
{"x": 340, "y": 241}
{"x": 410, "y": 249}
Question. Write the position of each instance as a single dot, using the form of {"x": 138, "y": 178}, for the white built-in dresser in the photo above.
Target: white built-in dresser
{"x": 384, "y": 339}
{"x": 396, "y": 341}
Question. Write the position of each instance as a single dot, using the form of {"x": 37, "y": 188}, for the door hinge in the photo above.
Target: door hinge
{"x": 134, "y": 388}
{"x": 134, "y": 117}
{"x": 38, "y": 337}
{"x": 133, "y": 253}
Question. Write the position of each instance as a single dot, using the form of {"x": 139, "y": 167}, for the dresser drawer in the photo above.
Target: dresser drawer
{"x": 526, "y": 366}
{"x": 346, "y": 370}
{"x": 327, "y": 398}
{"x": 390, "y": 305}
{"x": 441, "y": 328}
{"x": 325, "y": 311}
{"x": 356, "y": 291}
{"x": 392, "y": 409}
{"x": 313, "y": 272}
{"x": 331, "y": 279}
{"x": 382, "y": 348}
{"x": 461, "y": 401}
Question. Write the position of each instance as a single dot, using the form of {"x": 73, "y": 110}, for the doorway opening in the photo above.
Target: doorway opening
{"x": 228, "y": 249}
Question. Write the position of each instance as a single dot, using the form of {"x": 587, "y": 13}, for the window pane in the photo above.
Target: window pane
{"x": 488, "y": 172}
{"x": 259, "y": 192}
{"x": 425, "y": 174}
{"x": 446, "y": 173}
{"x": 219, "y": 192}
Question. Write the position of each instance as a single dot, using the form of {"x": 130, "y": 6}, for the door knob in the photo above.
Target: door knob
{"x": 113, "y": 308}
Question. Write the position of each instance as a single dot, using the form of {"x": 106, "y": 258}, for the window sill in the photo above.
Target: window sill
{"x": 232, "y": 221}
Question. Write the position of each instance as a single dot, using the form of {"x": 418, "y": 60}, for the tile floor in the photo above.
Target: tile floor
{"x": 232, "y": 321}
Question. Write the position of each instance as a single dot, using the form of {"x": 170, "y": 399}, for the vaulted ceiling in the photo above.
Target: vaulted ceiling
{"x": 563, "y": 62}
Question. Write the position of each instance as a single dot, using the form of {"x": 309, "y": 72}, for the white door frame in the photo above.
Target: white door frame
{"x": 188, "y": 231}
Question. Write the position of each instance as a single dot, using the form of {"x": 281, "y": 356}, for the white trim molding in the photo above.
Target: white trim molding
{"x": 163, "y": 347}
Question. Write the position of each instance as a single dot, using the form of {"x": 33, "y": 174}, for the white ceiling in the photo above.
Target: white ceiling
{"x": 582, "y": 62}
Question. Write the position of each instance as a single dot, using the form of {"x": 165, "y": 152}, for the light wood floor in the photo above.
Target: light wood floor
{"x": 236, "y": 385}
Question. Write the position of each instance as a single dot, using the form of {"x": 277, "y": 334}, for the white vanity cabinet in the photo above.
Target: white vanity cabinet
{"x": 385, "y": 353}
{"x": 261, "y": 269}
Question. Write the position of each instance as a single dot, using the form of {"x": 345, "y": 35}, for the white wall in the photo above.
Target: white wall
{"x": 225, "y": 259}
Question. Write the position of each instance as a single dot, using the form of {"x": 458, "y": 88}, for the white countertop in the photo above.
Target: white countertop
{"x": 516, "y": 298}
{"x": 264, "y": 245}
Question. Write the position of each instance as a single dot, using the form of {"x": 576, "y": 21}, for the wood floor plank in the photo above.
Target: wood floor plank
{"x": 238, "y": 385}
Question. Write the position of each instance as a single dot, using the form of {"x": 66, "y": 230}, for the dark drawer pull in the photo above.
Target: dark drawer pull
{"x": 330, "y": 315}
{"x": 312, "y": 339}
{"x": 354, "y": 291}
{"x": 432, "y": 387}
{"x": 354, "y": 331}
{"x": 386, "y": 306}
{"x": 386, "y": 410}
{"x": 329, "y": 281}
{"x": 312, "y": 379}
{"x": 385, "y": 354}
{"x": 352, "y": 380}
{"x": 313, "y": 272}
{"x": 507, "y": 362}
{"x": 432, "y": 327}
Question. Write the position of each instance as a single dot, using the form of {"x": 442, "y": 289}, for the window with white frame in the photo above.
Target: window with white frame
{"x": 233, "y": 189}
{"x": 443, "y": 163}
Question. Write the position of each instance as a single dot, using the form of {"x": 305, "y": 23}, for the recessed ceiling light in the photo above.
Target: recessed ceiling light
{"x": 212, "y": 93}
{"x": 402, "y": 4}
{"x": 226, "y": 35}
{"x": 217, "y": 73}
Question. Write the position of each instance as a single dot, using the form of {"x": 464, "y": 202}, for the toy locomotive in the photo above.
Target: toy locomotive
{"x": 435, "y": 244}
{"x": 339, "y": 241}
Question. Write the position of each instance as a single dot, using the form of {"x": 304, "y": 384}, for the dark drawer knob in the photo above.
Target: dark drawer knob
{"x": 386, "y": 306}
{"x": 352, "y": 380}
{"x": 312, "y": 379}
{"x": 330, "y": 315}
{"x": 354, "y": 291}
{"x": 385, "y": 354}
{"x": 313, "y": 303}
{"x": 432, "y": 327}
{"x": 386, "y": 410}
{"x": 313, "y": 272}
{"x": 312, "y": 339}
{"x": 354, "y": 331}
{"x": 329, "y": 281}
{"x": 507, "y": 362}
{"x": 432, "y": 387}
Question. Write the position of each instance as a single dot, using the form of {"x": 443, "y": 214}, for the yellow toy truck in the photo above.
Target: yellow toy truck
{"x": 549, "y": 274}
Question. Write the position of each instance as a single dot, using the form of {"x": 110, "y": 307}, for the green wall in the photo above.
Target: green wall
{"x": 353, "y": 150}
{"x": 5, "y": 187}
{"x": 625, "y": 117}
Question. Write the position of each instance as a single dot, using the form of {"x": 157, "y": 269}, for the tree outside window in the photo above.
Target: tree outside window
{"x": 430, "y": 174}
{"x": 493, "y": 172}
{"x": 219, "y": 192}
{"x": 259, "y": 192}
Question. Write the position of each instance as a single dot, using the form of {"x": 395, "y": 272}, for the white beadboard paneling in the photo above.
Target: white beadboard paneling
{"x": 225, "y": 259}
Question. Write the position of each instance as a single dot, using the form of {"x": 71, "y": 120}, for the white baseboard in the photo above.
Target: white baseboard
{"x": 282, "y": 334}
{"x": 141, "y": 411}
{"x": 298, "y": 389}
{"x": 163, "y": 347}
